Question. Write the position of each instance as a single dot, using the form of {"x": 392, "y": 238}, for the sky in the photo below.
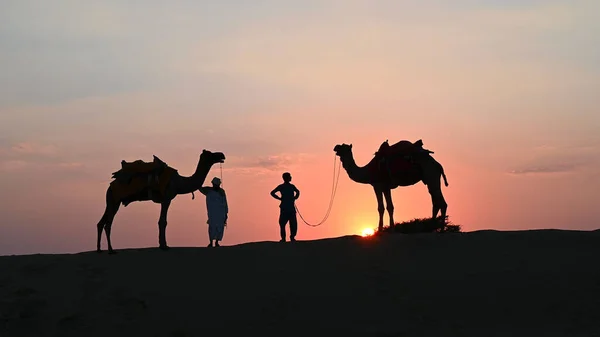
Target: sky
{"x": 504, "y": 92}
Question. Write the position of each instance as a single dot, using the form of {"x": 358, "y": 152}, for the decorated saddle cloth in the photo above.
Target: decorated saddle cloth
{"x": 140, "y": 180}
{"x": 396, "y": 159}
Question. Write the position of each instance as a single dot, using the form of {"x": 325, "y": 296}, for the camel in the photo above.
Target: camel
{"x": 136, "y": 178}
{"x": 401, "y": 164}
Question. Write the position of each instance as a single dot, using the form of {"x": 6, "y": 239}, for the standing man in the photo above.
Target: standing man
{"x": 216, "y": 206}
{"x": 287, "y": 208}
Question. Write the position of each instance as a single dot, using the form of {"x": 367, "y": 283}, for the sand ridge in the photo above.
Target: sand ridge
{"x": 485, "y": 283}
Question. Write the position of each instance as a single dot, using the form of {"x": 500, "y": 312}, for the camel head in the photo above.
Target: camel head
{"x": 207, "y": 160}
{"x": 212, "y": 158}
{"x": 343, "y": 150}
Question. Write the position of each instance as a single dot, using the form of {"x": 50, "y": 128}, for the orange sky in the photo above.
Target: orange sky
{"x": 505, "y": 93}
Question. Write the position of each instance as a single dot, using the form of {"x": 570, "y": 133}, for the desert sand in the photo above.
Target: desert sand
{"x": 485, "y": 283}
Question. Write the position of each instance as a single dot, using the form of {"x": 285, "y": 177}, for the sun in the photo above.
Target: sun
{"x": 367, "y": 232}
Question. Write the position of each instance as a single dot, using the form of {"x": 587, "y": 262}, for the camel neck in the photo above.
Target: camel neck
{"x": 195, "y": 181}
{"x": 356, "y": 173}
{"x": 201, "y": 172}
{"x": 189, "y": 184}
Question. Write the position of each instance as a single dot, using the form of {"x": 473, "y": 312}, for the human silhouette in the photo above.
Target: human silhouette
{"x": 287, "y": 208}
{"x": 216, "y": 206}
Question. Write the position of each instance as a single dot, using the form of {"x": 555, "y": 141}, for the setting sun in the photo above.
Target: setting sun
{"x": 368, "y": 232}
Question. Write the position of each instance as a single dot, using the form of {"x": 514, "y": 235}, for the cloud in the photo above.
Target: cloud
{"x": 558, "y": 168}
{"x": 549, "y": 159}
{"x": 11, "y": 150}
{"x": 12, "y": 165}
{"x": 274, "y": 163}
{"x": 267, "y": 164}
{"x": 22, "y": 166}
{"x": 34, "y": 149}
{"x": 67, "y": 49}
{"x": 30, "y": 157}
{"x": 382, "y": 51}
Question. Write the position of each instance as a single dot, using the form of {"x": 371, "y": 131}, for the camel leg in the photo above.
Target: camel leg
{"x": 432, "y": 174}
{"x": 162, "y": 225}
{"x": 100, "y": 227}
{"x": 380, "y": 207}
{"x": 438, "y": 202}
{"x": 106, "y": 221}
{"x": 108, "y": 226}
{"x": 107, "y": 229}
{"x": 387, "y": 193}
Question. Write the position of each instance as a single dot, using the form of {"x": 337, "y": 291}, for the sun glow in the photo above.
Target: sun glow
{"x": 367, "y": 232}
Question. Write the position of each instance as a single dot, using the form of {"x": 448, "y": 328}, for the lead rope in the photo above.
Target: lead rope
{"x": 334, "y": 185}
{"x": 221, "y": 174}
{"x": 221, "y": 169}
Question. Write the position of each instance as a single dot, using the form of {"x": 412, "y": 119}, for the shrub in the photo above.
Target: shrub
{"x": 422, "y": 225}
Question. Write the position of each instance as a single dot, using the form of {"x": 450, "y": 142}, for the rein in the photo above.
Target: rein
{"x": 221, "y": 174}
{"x": 334, "y": 186}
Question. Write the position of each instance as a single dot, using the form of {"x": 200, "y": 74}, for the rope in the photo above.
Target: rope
{"x": 221, "y": 168}
{"x": 334, "y": 185}
{"x": 221, "y": 177}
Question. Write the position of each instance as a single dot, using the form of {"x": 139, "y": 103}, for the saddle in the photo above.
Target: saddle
{"x": 130, "y": 169}
{"x": 140, "y": 166}
{"x": 401, "y": 148}
{"x": 140, "y": 180}
{"x": 398, "y": 157}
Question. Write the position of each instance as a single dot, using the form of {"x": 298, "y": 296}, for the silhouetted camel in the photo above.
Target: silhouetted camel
{"x": 168, "y": 184}
{"x": 402, "y": 164}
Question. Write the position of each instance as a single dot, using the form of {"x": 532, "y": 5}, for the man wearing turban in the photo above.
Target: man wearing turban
{"x": 216, "y": 206}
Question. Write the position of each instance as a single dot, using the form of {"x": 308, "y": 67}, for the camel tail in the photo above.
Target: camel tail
{"x": 443, "y": 175}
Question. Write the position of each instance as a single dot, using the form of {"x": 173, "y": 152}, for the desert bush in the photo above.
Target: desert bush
{"x": 422, "y": 225}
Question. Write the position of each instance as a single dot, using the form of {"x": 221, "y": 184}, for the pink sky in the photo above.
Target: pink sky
{"x": 505, "y": 94}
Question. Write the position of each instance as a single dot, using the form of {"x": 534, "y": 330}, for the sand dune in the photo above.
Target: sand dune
{"x": 488, "y": 283}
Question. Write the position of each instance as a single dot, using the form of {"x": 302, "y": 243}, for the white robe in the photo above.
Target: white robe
{"x": 216, "y": 206}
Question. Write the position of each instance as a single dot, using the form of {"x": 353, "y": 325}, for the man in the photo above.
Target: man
{"x": 287, "y": 209}
{"x": 216, "y": 206}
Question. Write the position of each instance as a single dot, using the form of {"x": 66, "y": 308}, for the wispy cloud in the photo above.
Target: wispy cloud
{"x": 267, "y": 164}
{"x": 548, "y": 159}
{"x": 27, "y": 148}
{"x": 558, "y": 168}
{"x": 22, "y": 166}
{"x": 30, "y": 157}
{"x": 12, "y": 165}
